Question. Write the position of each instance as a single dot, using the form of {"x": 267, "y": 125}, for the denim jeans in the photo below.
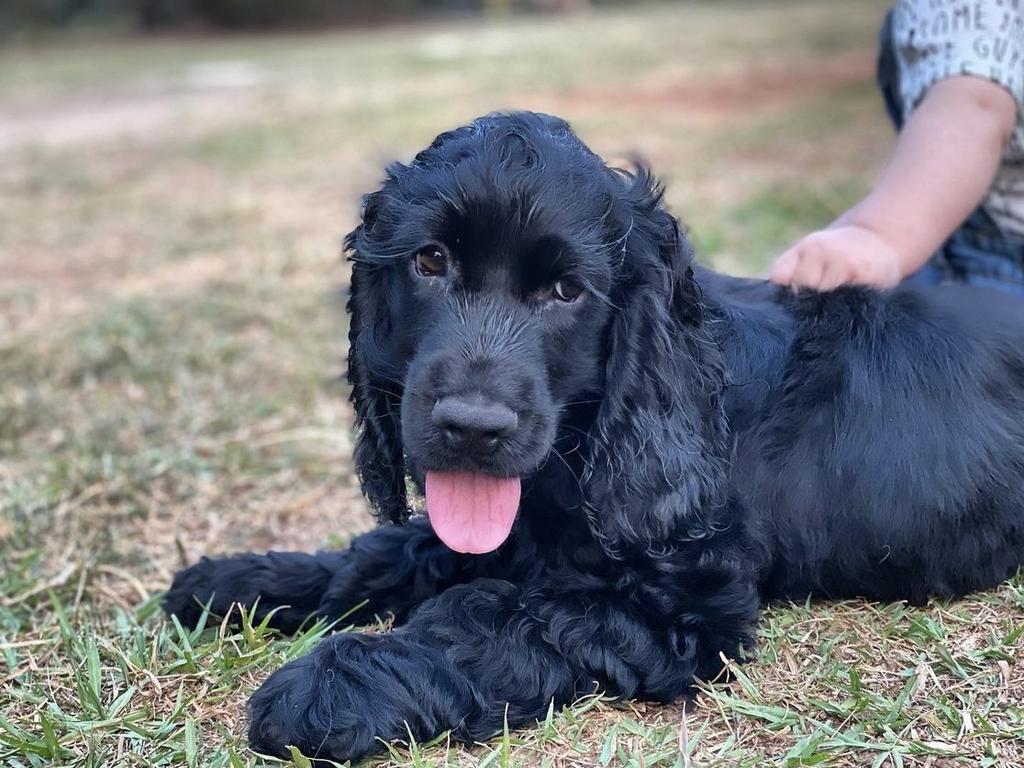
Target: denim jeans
{"x": 978, "y": 253}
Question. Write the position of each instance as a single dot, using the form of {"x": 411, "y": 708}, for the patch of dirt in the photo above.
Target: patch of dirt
{"x": 68, "y": 296}
{"x": 208, "y": 94}
{"x": 243, "y": 518}
{"x": 43, "y": 285}
{"x": 729, "y": 94}
{"x": 140, "y": 116}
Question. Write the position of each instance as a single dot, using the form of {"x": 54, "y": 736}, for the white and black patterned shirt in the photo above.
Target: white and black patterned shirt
{"x": 936, "y": 39}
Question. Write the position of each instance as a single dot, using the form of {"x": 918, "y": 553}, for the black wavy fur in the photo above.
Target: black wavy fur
{"x": 690, "y": 444}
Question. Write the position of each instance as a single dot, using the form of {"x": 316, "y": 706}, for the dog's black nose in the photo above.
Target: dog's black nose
{"x": 473, "y": 425}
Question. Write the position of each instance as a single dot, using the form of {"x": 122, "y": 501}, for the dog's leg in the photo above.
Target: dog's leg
{"x": 287, "y": 584}
{"x": 483, "y": 652}
{"x": 384, "y": 572}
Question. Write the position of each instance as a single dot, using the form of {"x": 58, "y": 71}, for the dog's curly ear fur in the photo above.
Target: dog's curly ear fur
{"x": 379, "y": 455}
{"x": 656, "y": 473}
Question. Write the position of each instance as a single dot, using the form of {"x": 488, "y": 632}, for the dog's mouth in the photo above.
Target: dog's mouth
{"x": 471, "y": 512}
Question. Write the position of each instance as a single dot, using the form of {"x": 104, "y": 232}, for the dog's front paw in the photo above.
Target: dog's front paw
{"x": 322, "y": 704}
{"x": 191, "y": 589}
{"x": 285, "y": 586}
{"x": 354, "y": 693}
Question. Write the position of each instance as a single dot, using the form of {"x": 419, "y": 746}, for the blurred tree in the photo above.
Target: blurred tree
{"x": 158, "y": 14}
{"x": 20, "y": 15}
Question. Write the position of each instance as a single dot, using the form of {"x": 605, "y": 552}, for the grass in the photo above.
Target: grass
{"x": 171, "y": 338}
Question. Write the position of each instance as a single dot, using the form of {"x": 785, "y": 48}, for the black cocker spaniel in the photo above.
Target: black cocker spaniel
{"x": 623, "y": 454}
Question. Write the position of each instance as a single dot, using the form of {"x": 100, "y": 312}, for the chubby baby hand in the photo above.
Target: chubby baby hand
{"x": 842, "y": 255}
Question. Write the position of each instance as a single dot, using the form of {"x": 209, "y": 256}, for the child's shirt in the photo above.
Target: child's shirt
{"x": 936, "y": 39}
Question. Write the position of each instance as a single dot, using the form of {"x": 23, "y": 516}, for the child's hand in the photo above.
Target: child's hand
{"x": 838, "y": 256}
{"x": 945, "y": 160}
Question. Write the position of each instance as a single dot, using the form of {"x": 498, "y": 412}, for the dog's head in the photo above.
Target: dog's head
{"x": 502, "y": 276}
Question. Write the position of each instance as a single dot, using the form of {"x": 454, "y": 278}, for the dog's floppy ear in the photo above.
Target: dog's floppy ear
{"x": 379, "y": 455}
{"x": 656, "y": 473}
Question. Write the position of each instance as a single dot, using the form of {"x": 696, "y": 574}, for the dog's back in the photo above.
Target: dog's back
{"x": 879, "y": 437}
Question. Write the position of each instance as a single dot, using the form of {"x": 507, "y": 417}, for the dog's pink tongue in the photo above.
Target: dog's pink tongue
{"x": 471, "y": 513}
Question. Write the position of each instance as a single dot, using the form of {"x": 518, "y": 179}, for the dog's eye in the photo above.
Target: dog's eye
{"x": 431, "y": 262}
{"x": 566, "y": 290}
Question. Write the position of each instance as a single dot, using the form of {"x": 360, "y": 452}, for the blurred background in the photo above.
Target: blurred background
{"x": 175, "y": 180}
{"x": 172, "y": 205}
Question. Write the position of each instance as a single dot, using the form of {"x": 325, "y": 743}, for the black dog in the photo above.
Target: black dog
{"x": 527, "y": 320}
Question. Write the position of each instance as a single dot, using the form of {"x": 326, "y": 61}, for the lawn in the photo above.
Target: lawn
{"x": 172, "y": 335}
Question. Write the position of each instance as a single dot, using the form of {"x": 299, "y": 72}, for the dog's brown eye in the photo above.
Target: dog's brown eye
{"x": 431, "y": 262}
{"x": 566, "y": 290}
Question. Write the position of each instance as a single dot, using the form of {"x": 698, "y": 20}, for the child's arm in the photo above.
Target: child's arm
{"x": 945, "y": 160}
